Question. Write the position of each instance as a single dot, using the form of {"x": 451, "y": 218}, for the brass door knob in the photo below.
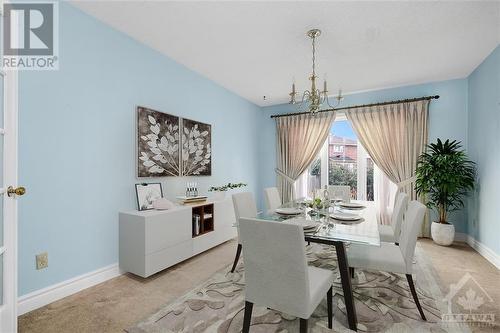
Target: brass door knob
{"x": 15, "y": 191}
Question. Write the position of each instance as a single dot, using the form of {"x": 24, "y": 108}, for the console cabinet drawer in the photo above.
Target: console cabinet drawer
{"x": 160, "y": 260}
{"x": 205, "y": 242}
{"x": 166, "y": 230}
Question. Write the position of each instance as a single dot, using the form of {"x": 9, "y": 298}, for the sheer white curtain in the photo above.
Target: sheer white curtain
{"x": 307, "y": 185}
{"x": 302, "y": 186}
{"x": 384, "y": 193}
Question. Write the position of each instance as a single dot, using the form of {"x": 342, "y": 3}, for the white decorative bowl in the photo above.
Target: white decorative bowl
{"x": 162, "y": 204}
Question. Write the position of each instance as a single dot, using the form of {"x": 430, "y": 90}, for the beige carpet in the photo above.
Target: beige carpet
{"x": 383, "y": 304}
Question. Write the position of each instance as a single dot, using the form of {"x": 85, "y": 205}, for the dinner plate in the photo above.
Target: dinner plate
{"x": 345, "y": 216}
{"x": 288, "y": 211}
{"x": 352, "y": 205}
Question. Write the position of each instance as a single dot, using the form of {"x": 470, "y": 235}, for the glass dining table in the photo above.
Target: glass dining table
{"x": 324, "y": 228}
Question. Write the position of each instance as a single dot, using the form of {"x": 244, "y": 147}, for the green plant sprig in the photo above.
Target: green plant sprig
{"x": 226, "y": 187}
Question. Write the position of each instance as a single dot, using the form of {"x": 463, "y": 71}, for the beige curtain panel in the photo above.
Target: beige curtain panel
{"x": 299, "y": 140}
{"x": 394, "y": 136}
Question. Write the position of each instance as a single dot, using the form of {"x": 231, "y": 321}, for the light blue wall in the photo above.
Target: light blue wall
{"x": 484, "y": 149}
{"x": 447, "y": 119}
{"x": 77, "y": 143}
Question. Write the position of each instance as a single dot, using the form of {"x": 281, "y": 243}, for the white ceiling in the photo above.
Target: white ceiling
{"x": 256, "y": 48}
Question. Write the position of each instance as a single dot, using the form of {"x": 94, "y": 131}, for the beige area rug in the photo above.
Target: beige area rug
{"x": 383, "y": 304}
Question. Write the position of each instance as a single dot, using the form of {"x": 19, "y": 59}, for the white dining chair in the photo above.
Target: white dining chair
{"x": 390, "y": 233}
{"x": 390, "y": 257}
{"x": 276, "y": 272}
{"x": 272, "y": 198}
{"x": 340, "y": 192}
{"x": 244, "y": 206}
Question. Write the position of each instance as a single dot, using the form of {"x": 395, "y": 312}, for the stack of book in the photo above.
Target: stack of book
{"x": 187, "y": 200}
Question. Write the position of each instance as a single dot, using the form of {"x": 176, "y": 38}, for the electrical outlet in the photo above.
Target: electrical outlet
{"x": 42, "y": 260}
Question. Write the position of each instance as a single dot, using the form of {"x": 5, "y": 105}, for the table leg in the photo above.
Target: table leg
{"x": 346, "y": 285}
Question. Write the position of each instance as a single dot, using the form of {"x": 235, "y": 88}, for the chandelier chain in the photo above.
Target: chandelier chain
{"x": 314, "y": 56}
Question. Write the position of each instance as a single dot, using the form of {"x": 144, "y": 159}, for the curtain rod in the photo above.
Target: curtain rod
{"x": 360, "y": 106}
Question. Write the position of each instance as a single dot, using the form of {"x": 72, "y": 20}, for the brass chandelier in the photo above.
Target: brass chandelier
{"x": 314, "y": 98}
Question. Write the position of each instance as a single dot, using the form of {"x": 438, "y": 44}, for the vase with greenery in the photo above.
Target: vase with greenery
{"x": 444, "y": 175}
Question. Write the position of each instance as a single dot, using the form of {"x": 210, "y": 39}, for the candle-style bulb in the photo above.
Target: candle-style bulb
{"x": 339, "y": 96}
{"x": 293, "y": 93}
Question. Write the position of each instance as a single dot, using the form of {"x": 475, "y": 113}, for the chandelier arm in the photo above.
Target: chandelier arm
{"x": 305, "y": 96}
{"x": 328, "y": 102}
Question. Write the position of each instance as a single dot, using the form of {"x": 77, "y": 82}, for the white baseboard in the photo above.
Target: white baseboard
{"x": 461, "y": 237}
{"x": 485, "y": 251}
{"x": 480, "y": 248}
{"x": 39, "y": 298}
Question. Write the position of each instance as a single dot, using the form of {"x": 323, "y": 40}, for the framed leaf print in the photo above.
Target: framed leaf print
{"x": 158, "y": 145}
{"x": 196, "y": 152}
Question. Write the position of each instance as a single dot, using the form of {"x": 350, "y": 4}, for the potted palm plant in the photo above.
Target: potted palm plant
{"x": 444, "y": 175}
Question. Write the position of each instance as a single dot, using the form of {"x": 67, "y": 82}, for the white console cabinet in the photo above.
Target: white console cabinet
{"x": 153, "y": 240}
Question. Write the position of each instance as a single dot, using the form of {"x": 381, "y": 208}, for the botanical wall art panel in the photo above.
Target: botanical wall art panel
{"x": 196, "y": 148}
{"x": 158, "y": 145}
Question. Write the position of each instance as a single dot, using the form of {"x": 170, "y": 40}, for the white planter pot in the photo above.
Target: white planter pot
{"x": 442, "y": 234}
{"x": 219, "y": 195}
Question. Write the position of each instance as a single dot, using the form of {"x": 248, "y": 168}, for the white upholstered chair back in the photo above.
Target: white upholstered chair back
{"x": 414, "y": 217}
{"x": 340, "y": 191}
{"x": 272, "y": 197}
{"x": 244, "y": 206}
{"x": 400, "y": 205}
{"x": 276, "y": 273}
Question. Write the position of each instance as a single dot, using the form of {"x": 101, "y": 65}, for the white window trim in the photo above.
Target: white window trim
{"x": 361, "y": 172}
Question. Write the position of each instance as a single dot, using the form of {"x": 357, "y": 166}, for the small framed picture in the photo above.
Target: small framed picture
{"x": 147, "y": 193}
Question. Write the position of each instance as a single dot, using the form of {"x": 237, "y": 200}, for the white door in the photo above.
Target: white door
{"x": 8, "y": 199}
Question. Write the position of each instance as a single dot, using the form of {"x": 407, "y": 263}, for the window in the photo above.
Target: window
{"x": 370, "y": 195}
{"x": 342, "y": 161}
{"x": 314, "y": 181}
{"x": 338, "y": 149}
